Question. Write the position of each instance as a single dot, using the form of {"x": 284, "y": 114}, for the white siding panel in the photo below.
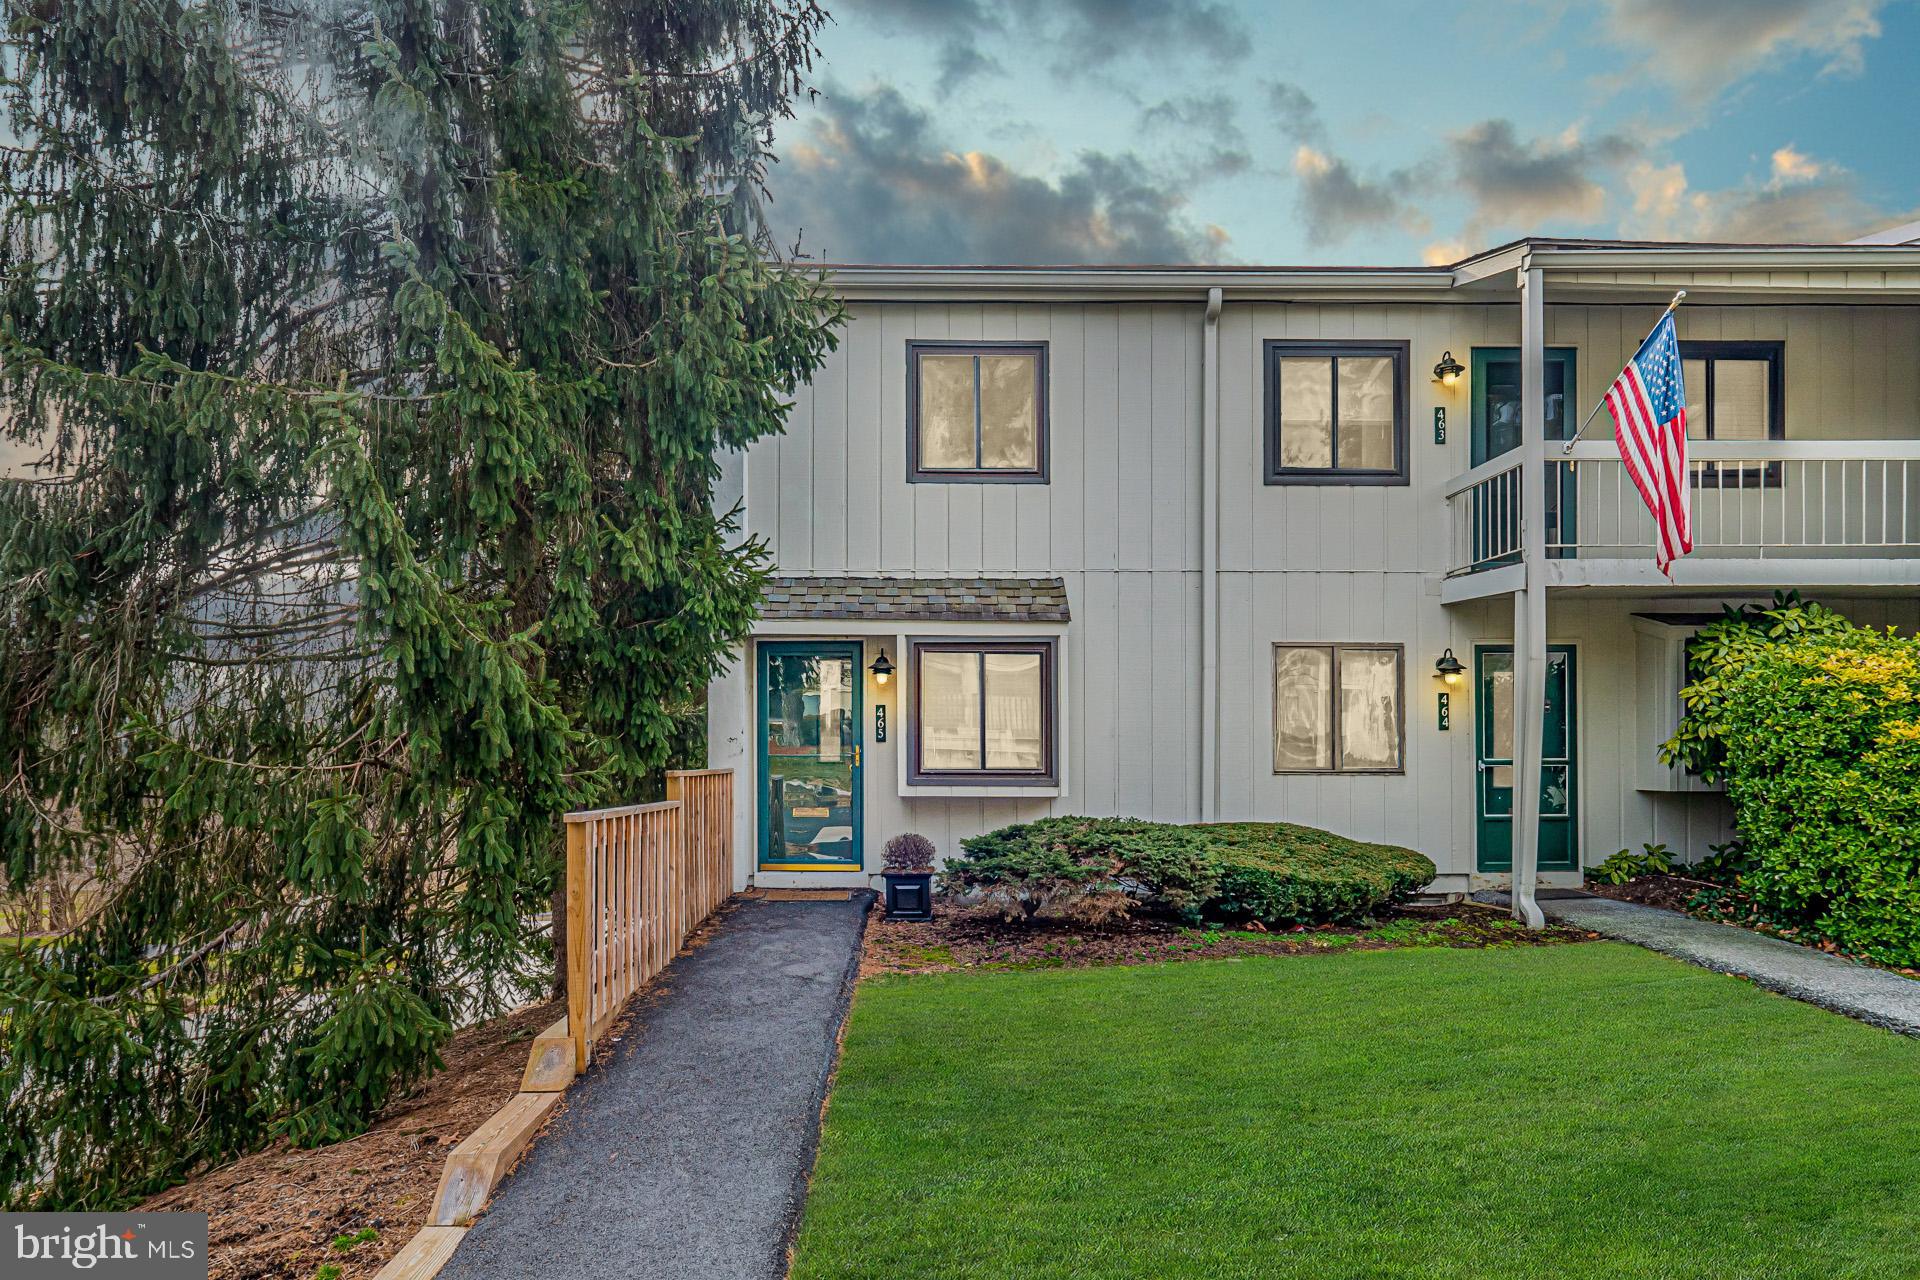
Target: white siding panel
{"x": 1133, "y": 441}
{"x": 864, "y": 395}
{"x": 895, "y": 496}
{"x": 1065, "y": 493}
{"x": 826, "y": 507}
{"x": 1101, "y": 438}
{"x": 930, "y": 541}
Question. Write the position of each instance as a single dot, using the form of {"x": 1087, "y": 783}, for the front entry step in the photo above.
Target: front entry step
{"x": 801, "y": 895}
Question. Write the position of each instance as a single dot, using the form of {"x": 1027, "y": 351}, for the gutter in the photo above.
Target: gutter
{"x": 1210, "y": 557}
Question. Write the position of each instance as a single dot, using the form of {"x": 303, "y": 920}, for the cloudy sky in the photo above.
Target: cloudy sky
{"x": 1019, "y": 131}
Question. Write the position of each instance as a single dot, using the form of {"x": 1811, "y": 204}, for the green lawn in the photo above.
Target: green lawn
{"x": 1589, "y": 1110}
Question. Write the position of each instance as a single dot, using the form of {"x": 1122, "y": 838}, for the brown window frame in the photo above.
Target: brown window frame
{"x": 1400, "y": 352}
{"x": 1334, "y": 648}
{"x": 1037, "y": 474}
{"x": 1047, "y": 775}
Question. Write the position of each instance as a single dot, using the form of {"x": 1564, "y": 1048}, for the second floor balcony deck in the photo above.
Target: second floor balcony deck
{"x": 1765, "y": 514}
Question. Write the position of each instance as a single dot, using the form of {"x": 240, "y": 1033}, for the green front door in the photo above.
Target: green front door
{"x": 809, "y": 757}
{"x": 1494, "y": 772}
{"x": 1495, "y": 373}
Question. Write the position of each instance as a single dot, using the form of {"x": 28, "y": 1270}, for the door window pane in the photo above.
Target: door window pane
{"x": 1009, "y": 412}
{"x": 1306, "y": 411}
{"x": 836, "y": 701}
{"x": 949, "y": 711}
{"x": 1369, "y": 709}
{"x": 946, "y": 412}
{"x": 1740, "y": 404}
{"x": 1015, "y": 734}
{"x": 1499, "y": 669}
{"x": 1302, "y": 708}
{"x": 1366, "y": 412}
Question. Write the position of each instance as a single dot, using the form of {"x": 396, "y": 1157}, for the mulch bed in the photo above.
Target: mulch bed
{"x": 1653, "y": 890}
{"x": 963, "y": 938}
{"x": 275, "y": 1213}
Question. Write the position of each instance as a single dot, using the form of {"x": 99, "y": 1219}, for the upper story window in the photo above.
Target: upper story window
{"x": 1336, "y": 412}
{"x": 982, "y": 712}
{"x": 1734, "y": 393}
{"x": 977, "y": 411}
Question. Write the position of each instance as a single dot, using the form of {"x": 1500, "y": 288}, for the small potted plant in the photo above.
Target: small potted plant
{"x": 908, "y": 871}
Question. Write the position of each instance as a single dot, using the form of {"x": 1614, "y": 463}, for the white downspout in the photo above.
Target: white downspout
{"x": 1210, "y": 559}
{"x": 1530, "y": 601}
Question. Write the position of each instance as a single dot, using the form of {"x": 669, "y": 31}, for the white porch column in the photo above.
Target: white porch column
{"x": 1530, "y": 602}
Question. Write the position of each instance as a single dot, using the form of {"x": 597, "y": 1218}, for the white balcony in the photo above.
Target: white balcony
{"x": 1765, "y": 514}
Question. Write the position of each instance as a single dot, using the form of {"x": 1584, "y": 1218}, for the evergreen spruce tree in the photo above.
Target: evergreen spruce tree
{"x": 374, "y": 356}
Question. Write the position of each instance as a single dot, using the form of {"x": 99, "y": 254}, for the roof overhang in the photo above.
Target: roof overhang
{"x": 1128, "y": 284}
{"x": 1728, "y": 269}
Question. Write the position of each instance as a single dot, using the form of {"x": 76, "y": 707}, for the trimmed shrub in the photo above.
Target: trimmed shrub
{"x": 1087, "y": 869}
{"x": 1281, "y": 874}
{"x": 1093, "y": 869}
{"x": 1819, "y": 739}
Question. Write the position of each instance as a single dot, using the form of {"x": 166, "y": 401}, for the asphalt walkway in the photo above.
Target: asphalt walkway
{"x": 1872, "y": 995}
{"x": 686, "y": 1153}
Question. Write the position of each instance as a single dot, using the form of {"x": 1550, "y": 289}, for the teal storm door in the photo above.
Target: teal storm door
{"x": 1496, "y": 397}
{"x": 1494, "y": 771}
{"x": 809, "y": 756}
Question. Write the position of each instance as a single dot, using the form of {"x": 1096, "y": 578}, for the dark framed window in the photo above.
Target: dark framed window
{"x": 1736, "y": 391}
{"x": 977, "y": 412}
{"x": 1339, "y": 708}
{"x": 983, "y": 712}
{"x": 1336, "y": 412}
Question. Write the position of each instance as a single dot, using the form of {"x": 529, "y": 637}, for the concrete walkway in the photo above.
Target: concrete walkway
{"x": 686, "y": 1154}
{"x": 1871, "y": 995}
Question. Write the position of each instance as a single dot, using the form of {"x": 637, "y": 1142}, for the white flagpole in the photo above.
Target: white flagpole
{"x": 1587, "y": 421}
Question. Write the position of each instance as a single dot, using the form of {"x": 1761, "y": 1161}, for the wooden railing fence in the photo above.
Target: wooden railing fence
{"x": 640, "y": 878}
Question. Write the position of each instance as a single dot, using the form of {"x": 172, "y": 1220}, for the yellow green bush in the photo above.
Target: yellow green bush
{"x": 1816, "y": 733}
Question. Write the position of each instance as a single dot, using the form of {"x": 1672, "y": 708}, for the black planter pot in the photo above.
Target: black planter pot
{"x": 909, "y": 895}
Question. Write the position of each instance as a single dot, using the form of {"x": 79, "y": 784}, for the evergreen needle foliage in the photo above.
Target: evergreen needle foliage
{"x": 373, "y": 356}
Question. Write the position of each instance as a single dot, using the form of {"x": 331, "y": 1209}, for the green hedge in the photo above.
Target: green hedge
{"x": 1279, "y": 873}
{"x": 1817, "y": 734}
{"x": 1096, "y": 868}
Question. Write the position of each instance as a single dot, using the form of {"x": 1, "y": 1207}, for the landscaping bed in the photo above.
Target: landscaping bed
{"x": 278, "y": 1212}
{"x": 961, "y": 938}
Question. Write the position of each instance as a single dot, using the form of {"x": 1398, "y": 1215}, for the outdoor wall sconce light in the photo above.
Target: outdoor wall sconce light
{"x": 883, "y": 669}
{"x": 1448, "y": 371}
{"x": 1449, "y": 668}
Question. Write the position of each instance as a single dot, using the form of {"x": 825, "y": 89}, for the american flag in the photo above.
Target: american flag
{"x": 1649, "y": 406}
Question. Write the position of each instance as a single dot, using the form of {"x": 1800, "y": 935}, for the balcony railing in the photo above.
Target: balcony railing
{"x": 1774, "y": 499}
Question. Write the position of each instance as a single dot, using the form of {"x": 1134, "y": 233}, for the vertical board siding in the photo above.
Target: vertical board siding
{"x": 1120, "y": 521}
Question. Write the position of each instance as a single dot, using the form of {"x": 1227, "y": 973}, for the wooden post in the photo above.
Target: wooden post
{"x": 677, "y": 794}
{"x": 577, "y": 948}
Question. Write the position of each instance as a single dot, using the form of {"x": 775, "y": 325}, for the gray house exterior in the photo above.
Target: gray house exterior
{"x": 1190, "y": 543}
